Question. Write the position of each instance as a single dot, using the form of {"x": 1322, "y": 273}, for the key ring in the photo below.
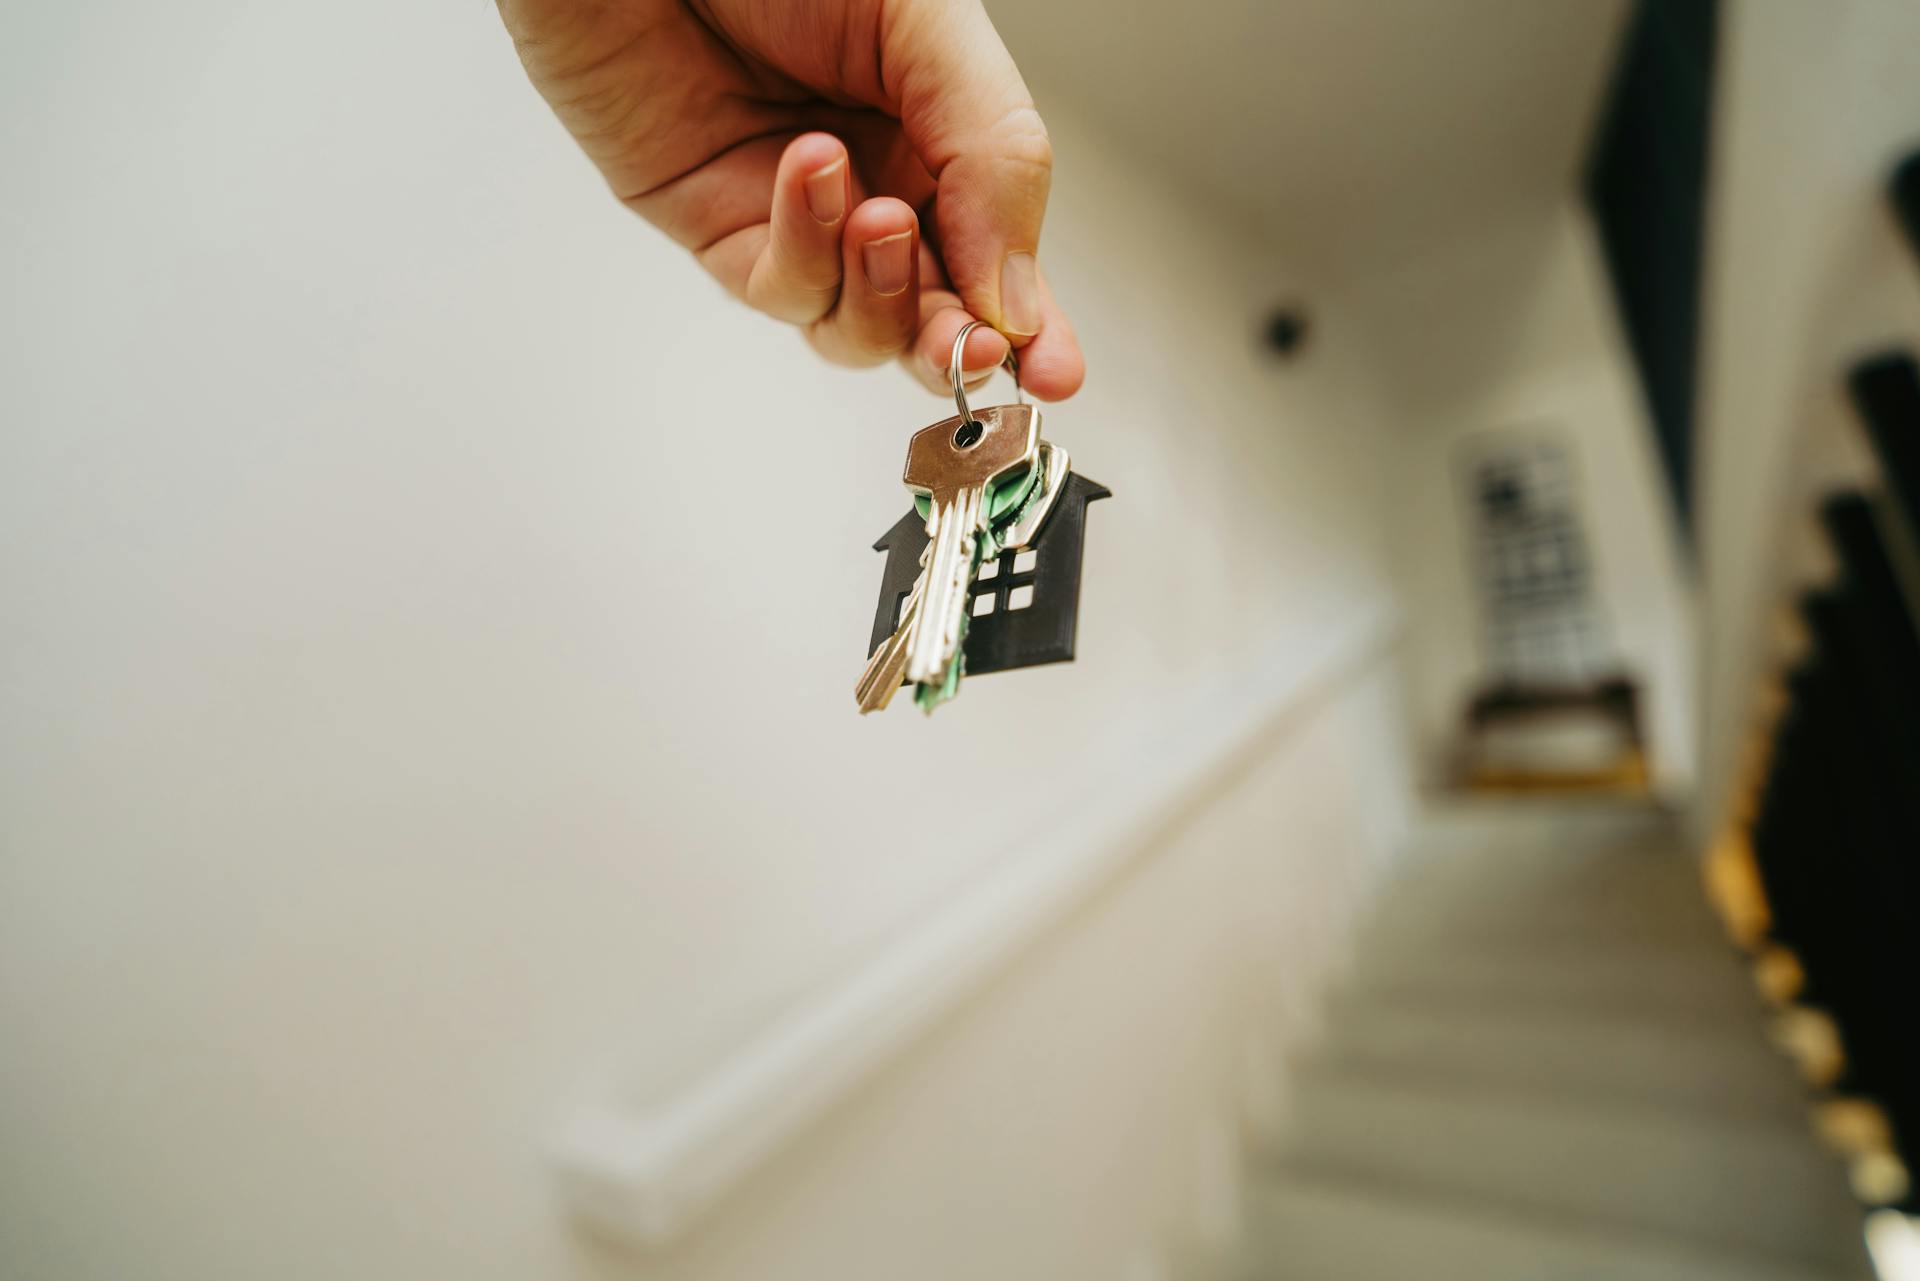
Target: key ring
{"x": 1011, "y": 364}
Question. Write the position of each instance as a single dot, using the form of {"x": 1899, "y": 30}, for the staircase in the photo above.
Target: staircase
{"x": 1548, "y": 1064}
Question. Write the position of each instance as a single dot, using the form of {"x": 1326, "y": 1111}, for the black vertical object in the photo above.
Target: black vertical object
{"x": 1837, "y": 835}
{"x": 1839, "y": 822}
{"x": 1646, "y": 183}
{"x": 1904, "y": 188}
{"x": 1886, "y": 392}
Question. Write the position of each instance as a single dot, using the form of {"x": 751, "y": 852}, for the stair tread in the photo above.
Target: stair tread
{"x": 1620, "y": 888}
{"x": 1570, "y": 1054}
{"x": 1651, "y": 1169}
{"x": 1661, "y": 907}
{"x": 1327, "y": 1230}
{"x": 1598, "y": 895}
{"x": 1707, "y": 988}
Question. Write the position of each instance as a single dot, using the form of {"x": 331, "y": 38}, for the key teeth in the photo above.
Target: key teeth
{"x": 948, "y": 570}
{"x": 880, "y": 680}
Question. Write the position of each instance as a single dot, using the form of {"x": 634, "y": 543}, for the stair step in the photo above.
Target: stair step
{"x": 1649, "y": 892}
{"x": 1708, "y": 987}
{"x": 1525, "y": 825}
{"x": 1590, "y": 921}
{"x": 1398, "y": 930}
{"x": 1322, "y": 1230}
{"x": 1654, "y": 1171}
{"x": 1560, "y": 1053}
{"x": 1592, "y": 879}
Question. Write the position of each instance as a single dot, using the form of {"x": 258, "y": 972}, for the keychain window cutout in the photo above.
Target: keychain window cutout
{"x": 1010, "y": 635}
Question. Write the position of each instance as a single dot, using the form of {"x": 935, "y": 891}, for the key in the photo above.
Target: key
{"x": 977, "y": 479}
{"x": 954, "y": 463}
{"x": 1014, "y": 511}
{"x": 1025, "y": 521}
{"x": 882, "y": 677}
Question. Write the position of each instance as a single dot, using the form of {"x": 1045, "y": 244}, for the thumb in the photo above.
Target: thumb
{"x": 970, "y": 119}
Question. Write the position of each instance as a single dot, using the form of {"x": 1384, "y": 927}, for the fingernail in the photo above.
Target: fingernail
{"x": 827, "y": 193}
{"x": 888, "y": 263}
{"x": 1020, "y": 294}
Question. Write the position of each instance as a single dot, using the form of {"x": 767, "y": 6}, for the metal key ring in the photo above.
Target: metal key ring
{"x": 1011, "y": 364}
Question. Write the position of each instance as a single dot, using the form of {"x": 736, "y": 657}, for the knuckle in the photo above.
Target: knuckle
{"x": 793, "y": 308}
{"x": 1022, "y": 139}
{"x": 879, "y": 348}
{"x": 836, "y": 344}
{"x": 794, "y": 301}
{"x": 789, "y": 311}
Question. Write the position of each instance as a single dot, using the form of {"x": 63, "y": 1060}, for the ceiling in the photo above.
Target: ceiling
{"x": 1351, "y": 130}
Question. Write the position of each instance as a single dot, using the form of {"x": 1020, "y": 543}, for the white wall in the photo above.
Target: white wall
{"x": 1514, "y": 331}
{"x": 1083, "y": 1117}
{"x": 402, "y": 742}
{"x": 1805, "y": 272}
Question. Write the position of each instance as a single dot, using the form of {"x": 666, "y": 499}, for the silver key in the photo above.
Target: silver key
{"x": 955, "y": 463}
{"x": 1054, "y": 464}
{"x": 881, "y": 678}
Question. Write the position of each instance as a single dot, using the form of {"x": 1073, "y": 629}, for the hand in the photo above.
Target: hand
{"x": 795, "y": 145}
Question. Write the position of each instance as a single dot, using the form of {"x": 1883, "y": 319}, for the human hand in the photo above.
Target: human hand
{"x": 793, "y": 145}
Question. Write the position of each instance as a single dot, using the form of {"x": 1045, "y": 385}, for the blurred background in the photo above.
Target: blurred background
{"x": 1479, "y": 835}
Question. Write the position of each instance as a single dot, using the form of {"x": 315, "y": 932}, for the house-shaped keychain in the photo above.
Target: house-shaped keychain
{"x": 1024, "y": 604}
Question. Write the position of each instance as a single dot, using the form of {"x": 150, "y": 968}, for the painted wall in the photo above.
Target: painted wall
{"x": 412, "y": 723}
{"x": 1087, "y": 1114}
{"x": 1805, "y": 272}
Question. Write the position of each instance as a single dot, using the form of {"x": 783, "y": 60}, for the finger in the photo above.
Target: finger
{"x": 941, "y": 319}
{"x": 1051, "y": 366}
{"x": 797, "y": 276}
{"x": 732, "y": 191}
{"x": 974, "y": 125}
{"x": 879, "y": 294}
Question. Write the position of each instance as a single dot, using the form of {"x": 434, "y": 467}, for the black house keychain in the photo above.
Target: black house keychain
{"x": 1001, "y": 590}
